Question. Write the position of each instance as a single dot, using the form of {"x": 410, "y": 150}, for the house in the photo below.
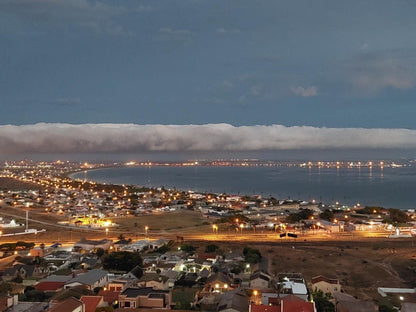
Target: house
{"x": 153, "y": 280}
{"x": 91, "y": 279}
{"x": 121, "y": 244}
{"x": 171, "y": 275}
{"x": 89, "y": 245}
{"x": 234, "y": 300}
{"x": 144, "y": 298}
{"x": 8, "y": 301}
{"x": 217, "y": 283}
{"x": 92, "y": 302}
{"x": 156, "y": 244}
{"x": 109, "y": 297}
{"x": 25, "y": 271}
{"x": 264, "y": 308}
{"x": 292, "y": 283}
{"x": 68, "y": 305}
{"x": 137, "y": 246}
{"x": 347, "y": 303}
{"x": 297, "y": 306}
{"x": 50, "y": 286}
{"x": 260, "y": 280}
{"x": 326, "y": 285}
{"x": 121, "y": 283}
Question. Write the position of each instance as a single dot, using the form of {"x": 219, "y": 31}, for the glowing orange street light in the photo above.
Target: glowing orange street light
{"x": 215, "y": 228}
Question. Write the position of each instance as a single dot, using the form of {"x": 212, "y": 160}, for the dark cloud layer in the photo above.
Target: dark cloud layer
{"x": 126, "y": 138}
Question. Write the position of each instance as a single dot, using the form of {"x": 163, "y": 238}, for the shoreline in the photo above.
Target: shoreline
{"x": 295, "y": 196}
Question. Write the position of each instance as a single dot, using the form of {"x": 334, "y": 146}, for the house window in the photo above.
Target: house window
{"x": 127, "y": 304}
{"x": 335, "y": 289}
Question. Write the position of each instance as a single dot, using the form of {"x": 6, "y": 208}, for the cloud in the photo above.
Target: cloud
{"x": 123, "y": 138}
{"x": 59, "y": 14}
{"x": 224, "y": 32}
{"x": 305, "y": 92}
{"x": 174, "y": 34}
{"x": 373, "y": 72}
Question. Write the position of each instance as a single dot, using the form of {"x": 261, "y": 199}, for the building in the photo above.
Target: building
{"x": 326, "y": 285}
{"x": 145, "y": 297}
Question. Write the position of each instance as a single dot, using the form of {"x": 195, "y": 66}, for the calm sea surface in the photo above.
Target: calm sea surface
{"x": 388, "y": 187}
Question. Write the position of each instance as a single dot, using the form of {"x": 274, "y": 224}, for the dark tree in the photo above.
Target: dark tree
{"x": 327, "y": 215}
{"x": 251, "y": 255}
{"x": 122, "y": 261}
{"x": 211, "y": 248}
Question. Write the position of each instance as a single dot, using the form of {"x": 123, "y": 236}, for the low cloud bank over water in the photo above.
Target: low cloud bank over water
{"x": 119, "y": 138}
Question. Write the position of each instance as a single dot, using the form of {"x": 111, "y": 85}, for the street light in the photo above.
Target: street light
{"x": 241, "y": 226}
{"x": 146, "y": 228}
{"x": 106, "y": 232}
{"x": 215, "y": 228}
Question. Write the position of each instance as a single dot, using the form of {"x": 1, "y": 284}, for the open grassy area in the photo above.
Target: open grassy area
{"x": 179, "y": 221}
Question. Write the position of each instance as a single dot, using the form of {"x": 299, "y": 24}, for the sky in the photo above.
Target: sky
{"x": 232, "y": 66}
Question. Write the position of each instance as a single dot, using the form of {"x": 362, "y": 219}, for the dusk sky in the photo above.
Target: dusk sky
{"x": 322, "y": 64}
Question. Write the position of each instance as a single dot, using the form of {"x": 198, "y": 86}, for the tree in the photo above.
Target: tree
{"x": 398, "y": 216}
{"x": 302, "y": 214}
{"x": 322, "y": 302}
{"x": 122, "y": 261}
{"x": 211, "y": 248}
{"x": 100, "y": 252}
{"x": 251, "y": 255}
{"x": 327, "y": 215}
{"x": 188, "y": 248}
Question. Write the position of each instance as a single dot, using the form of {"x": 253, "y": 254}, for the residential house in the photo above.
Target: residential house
{"x": 235, "y": 300}
{"x": 93, "y": 302}
{"x": 264, "y": 308}
{"x": 91, "y": 279}
{"x": 8, "y": 301}
{"x": 109, "y": 297}
{"x": 292, "y": 283}
{"x": 146, "y": 297}
{"x": 89, "y": 245}
{"x": 326, "y": 285}
{"x": 50, "y": 286}
{"x": 171, "y": 275}
{"x": 68, "y": 305}
{"x": 153, "y": 280}
{"x": 260, "y": 280}
{"x": 25, "y": 271}
{"x": 123, "y": 282}
{"x": 347, "y": 303}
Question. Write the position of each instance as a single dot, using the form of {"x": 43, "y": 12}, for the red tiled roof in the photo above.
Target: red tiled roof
{"x": 68, "y": 305}
{"x": 321, "y": 278}
{"x": 91, "y": 302}
{"x": 295, "y": 306}
{"x": 109, "y": 296}
{"x": 49, "y": 286}
{"x": 264, "y": 308}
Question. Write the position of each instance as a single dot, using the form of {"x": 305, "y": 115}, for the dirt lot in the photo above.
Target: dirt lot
{"x": 16, "y": 185}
